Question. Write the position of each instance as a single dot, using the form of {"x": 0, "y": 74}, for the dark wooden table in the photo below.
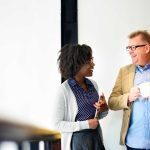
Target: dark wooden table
{"x": 20, "y": 132}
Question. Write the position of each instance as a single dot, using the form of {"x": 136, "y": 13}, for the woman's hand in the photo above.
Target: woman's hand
{"x": 93, "y": 123}
{"x": 101, "y": 105}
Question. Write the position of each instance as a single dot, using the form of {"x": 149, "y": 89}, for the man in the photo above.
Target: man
{"x": 129, "y": 94}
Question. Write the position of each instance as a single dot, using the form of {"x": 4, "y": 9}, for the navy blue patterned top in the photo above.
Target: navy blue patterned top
{"x": 85, "y": 99}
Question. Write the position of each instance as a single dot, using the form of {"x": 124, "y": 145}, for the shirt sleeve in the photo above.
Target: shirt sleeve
{"x": 62, "y": 122}
{"x": 118, "y": 100}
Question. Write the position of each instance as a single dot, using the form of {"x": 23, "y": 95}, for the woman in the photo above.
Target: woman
{"x": 77, "y": 106}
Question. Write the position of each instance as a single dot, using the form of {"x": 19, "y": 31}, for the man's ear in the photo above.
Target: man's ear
{"x": 148, "y": 49}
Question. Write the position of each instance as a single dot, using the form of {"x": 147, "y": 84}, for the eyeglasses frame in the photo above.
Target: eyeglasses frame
{"x": 134, "y": 47}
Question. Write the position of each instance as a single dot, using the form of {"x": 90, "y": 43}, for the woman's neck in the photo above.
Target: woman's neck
{"x": 81, "y": 82}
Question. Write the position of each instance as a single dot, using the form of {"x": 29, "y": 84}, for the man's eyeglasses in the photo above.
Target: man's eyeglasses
{"x": 134, "y": 47}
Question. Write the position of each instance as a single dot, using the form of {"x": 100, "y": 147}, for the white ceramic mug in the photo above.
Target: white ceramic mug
{"x": 145, "y": 89}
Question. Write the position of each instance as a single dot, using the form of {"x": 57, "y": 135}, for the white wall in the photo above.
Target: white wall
{"x": 105, "y": 25}
{"x": 29, "y": 42}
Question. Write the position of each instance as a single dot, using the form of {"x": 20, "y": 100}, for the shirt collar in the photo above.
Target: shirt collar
{"x": 141, "y": 69}
{"x": 73, "y": 82}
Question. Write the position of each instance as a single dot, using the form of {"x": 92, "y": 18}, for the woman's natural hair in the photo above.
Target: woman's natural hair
{"x": 144, "y": 34}
{"x": 72, "y": 57}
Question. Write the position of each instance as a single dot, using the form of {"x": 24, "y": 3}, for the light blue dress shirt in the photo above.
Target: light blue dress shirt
{"x": 138, "y": 135}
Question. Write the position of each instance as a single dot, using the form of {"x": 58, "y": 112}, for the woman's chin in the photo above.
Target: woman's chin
{"x": 91, "y": 74}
